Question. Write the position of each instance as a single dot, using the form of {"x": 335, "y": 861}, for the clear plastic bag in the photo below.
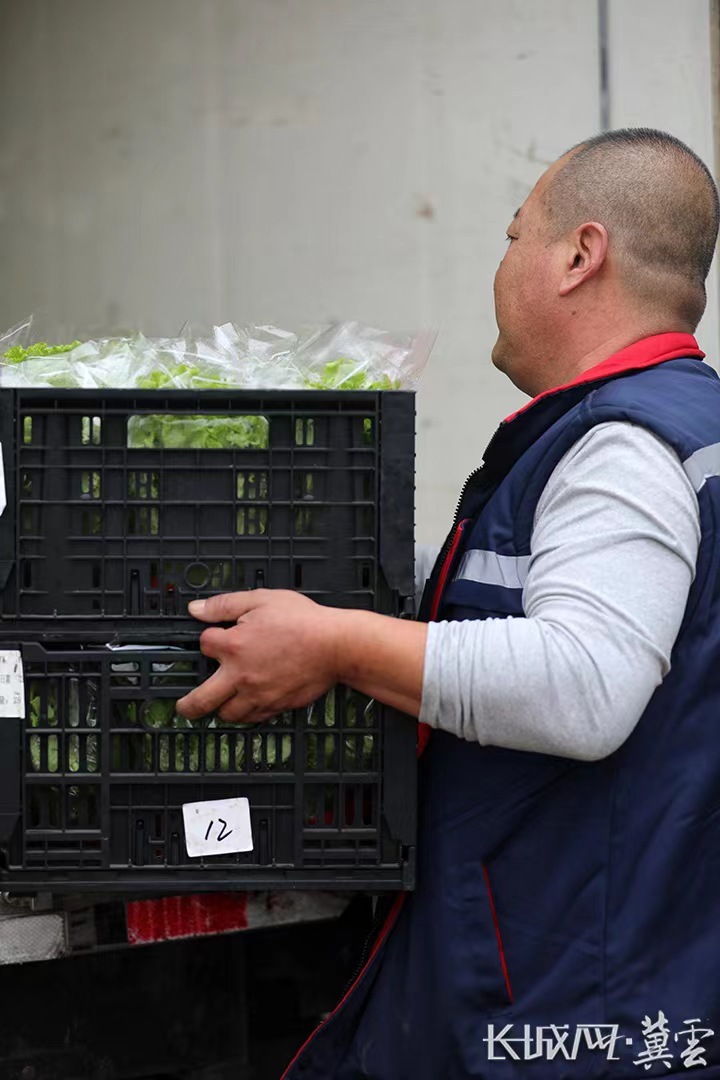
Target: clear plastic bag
{"x": 343, "y": 356}
{"x": 349, "y": 356}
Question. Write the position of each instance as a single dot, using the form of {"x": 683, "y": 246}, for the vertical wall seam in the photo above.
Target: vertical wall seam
{"x": 714, "y": 28}
{"x": 604, "y": 64}
{"x": 715, "y": 82}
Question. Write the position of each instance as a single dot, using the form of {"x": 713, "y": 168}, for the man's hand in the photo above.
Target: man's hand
{"x": 281, "y": 654}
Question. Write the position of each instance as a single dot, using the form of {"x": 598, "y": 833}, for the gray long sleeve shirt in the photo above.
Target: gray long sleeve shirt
{"x": 613, "y": 554}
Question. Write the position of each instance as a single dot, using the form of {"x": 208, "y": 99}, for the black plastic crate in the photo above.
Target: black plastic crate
{"x": 95, "y": 777}
{"x": 113, "y": 523}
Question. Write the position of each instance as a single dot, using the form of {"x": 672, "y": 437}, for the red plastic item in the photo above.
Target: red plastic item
{"x": 174, "y": 917}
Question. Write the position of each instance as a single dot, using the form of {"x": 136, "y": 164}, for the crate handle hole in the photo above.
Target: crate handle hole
{"x": 197, "y": 575}
{"x": 90, "y": 430}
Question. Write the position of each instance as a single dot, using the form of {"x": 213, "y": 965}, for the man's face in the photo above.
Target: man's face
{"x": 524, "y": 294}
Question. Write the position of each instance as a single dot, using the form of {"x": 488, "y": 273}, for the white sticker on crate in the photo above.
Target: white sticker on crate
{"x": 3, "y": 497}
{"x": 217, "y": 828}
{"x": 12, "y": 689}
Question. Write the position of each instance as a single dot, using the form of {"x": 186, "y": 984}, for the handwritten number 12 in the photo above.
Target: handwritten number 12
{"x": 222, "y": 835}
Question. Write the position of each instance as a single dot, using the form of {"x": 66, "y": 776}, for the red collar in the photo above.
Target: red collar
{"x": 641, "y": 354}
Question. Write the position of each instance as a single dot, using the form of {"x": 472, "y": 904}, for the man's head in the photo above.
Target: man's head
{"x": 614, "y": 242}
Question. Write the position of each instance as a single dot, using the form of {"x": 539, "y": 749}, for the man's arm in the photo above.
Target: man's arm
{"x": 613, "y": 557}
{"x": 284, "y": 651}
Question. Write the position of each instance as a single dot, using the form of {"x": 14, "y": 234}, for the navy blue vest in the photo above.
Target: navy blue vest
{"x": 553, "y": 891}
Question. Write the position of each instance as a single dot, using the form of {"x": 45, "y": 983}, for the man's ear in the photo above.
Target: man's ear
{"x": 586, "y": 252}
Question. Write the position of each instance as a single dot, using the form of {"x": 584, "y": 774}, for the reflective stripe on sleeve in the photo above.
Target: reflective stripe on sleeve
{"x": 489, "y": 568}
{"x": 703, "y": 464}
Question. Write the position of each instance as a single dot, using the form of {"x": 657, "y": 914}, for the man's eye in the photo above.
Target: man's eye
{"x": 508, "y": 238}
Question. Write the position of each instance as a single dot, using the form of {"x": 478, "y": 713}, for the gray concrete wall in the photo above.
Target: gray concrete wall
{"x": 303, "y": 160}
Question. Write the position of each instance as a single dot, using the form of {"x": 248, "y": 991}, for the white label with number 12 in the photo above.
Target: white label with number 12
{"x": 217, "y": 828}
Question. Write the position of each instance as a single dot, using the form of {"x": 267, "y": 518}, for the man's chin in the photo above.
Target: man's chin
{"x": 498, "y": 356}
{"x": 507, "y": 364}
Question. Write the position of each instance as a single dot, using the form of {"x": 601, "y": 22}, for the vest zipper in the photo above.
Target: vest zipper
{"x": 390, "y": 920}
{"x": 450, "y": 538}
{"x": 446, "y": 565}
{"x": 424, "y": 731}
{"x": 383, "y": 908}
{"x": 469, "y": 483}
{"x": 464, "y": 490}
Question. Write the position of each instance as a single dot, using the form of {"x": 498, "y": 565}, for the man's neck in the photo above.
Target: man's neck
{"x": 570, "y": 367}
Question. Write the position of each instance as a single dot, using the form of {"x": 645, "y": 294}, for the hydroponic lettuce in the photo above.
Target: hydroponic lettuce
{"x": 197, "y": 432}
{"x": 344, "y": 374}
{"x": 149, "y": 736}
{"x": 344, "y": 356}
{"x": 16, "y": 353}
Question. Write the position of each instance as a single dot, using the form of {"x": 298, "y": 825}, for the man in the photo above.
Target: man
{"x": 569, "y": 855}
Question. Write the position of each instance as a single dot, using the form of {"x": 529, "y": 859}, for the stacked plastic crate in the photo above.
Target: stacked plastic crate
{"x": 105, "y": 538}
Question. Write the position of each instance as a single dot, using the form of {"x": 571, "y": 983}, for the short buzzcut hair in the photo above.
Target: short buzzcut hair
{"x": 659, "y": 203}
